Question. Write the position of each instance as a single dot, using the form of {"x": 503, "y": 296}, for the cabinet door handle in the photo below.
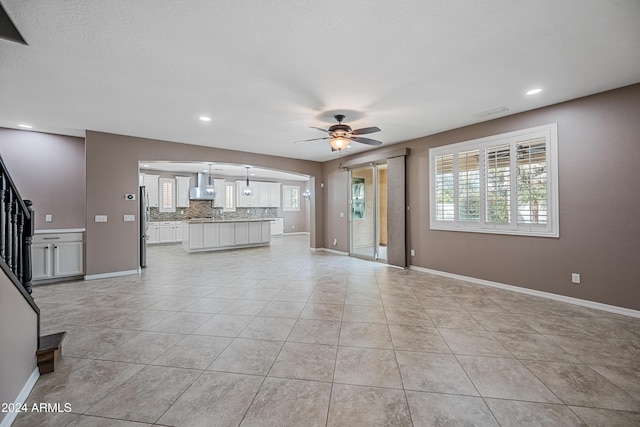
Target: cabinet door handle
{"x": 50, "y": 238}
{"x": 55, "y": 246}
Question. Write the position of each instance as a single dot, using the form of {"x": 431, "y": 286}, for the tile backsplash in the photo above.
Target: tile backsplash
{"x": 203, "y": 209}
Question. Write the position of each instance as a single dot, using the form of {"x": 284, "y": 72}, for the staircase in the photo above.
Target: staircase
{"x": 17, "y": 224}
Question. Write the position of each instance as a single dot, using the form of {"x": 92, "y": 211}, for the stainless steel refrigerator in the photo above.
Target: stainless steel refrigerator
{"x": 144, "y": 225}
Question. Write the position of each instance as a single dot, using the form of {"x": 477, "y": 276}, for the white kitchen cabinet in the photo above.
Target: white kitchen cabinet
{"x": 242, "y": 233}
{"x": 196, "y": 237}
{"x": 167, "y": 232}
{"x": 273, "y": 188}
{"x": 265, "y": 228}
{"x": 251, "y": 201}
{"x": 182, "y": 191}
{"x": 151, "y": 185}
{"x": 164, "y": 232}
{"x": 264, "y": 194}
{"x": 220, "y": 192}
{"x": 57, "y": 255}
{"x": 211, "y": 235}
{"x": 227, "y": 234}
{"x": 153, "y": 232}
{"x": 277, "y": 227}
{"x": 255, "y": 232}
{"x": 179, "y": 229}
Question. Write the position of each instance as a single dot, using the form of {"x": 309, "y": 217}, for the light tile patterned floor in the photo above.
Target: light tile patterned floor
{"x": 283, "y": 336}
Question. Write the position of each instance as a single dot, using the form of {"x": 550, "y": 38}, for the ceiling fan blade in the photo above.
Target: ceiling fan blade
{"x": 323, "y": 130}
{"x": 308, "y": 140}
{"x": 367, "y": 141}
{"x": 364, "y": 131}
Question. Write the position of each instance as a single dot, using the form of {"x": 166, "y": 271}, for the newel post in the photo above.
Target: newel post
{"x": 27, "y": 236}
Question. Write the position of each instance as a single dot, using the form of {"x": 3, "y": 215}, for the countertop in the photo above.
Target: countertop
{"x": 206, "y": 220}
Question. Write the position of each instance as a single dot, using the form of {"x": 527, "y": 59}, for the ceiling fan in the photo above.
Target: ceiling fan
{"x": 340, "y": 135}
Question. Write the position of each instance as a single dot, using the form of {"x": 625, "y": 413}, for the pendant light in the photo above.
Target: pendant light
{"x": 211, "y": 188}
{"x": 247, "y": 190}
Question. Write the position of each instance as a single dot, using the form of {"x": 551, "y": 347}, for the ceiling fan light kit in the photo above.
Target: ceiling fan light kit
{"x": 341, "y": 135}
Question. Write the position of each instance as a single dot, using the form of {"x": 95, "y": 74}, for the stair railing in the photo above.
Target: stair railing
{"x": 17, "y": 224}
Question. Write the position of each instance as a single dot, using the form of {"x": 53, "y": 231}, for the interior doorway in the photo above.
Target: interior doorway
{"x": 368, "y": 213}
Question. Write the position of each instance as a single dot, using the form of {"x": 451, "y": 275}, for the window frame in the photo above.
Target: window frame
{"x": 513, "y": 227}
{"x": 225, "y": 206}
{"x": 161, "y": 202}
{"x": 287, "y": 199}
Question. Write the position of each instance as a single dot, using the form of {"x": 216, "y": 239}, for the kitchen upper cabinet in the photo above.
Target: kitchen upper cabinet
{"x": 274, "y": 194}
{"x": 182, "y": 191}
{"x": 57, "y": 255}
{"x": 251, "y": 201}
{"x": 219, "y": 185}
{"x": 265, "y": 194}
{"x": 151, "y": 185}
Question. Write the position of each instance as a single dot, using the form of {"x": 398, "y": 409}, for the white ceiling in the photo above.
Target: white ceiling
{"x": 267, "y": 70}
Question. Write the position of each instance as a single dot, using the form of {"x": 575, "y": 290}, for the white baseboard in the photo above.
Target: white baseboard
{"x": 22, "y": 397}
{"x": 570, "y": 300}
{"x": 332, "y": 251}
{"x": 113, "y": 274}
{"x": 297, "y": 232}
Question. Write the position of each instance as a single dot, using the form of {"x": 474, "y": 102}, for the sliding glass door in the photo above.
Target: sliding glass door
{"x": 368, "y": 214}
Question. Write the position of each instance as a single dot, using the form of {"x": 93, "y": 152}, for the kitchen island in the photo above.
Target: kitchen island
{"x": 199, "y": 235}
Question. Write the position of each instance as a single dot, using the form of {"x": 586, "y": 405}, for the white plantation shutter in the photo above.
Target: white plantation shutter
{"x": 469, "y": 186}
{"x": 499, "y": 184}
{"x": 444, "y": 188}
{"x": 229, "y": 197}
{"x": 532, "y": 182}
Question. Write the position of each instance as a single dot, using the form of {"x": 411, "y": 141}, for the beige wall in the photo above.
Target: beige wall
{"x": 19, "y": 341}
{"x": 599, "y": 188}
{"x": 297, "y": 221}
{"x": 112, "y": 171}
{"x": 49, "y": 170}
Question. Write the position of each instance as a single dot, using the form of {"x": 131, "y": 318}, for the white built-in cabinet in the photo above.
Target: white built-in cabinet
{"x": 151, "y": 185}
{"x": 164, "y": 232}
{"x": 264, "y": 195}
{"x": 219, "y": 185}
{"x": 57, "y": 255}
{"x": 277, "y": 227}
{"x": 182, "y": 191}
{"x": 222, "y": 235}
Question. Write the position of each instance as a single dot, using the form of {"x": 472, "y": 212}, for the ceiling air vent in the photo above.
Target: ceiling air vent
{"x": 493, "y": 112}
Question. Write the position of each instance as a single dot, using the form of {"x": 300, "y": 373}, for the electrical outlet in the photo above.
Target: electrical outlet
{"x": 48, "y": 218}
{"x": 413, "y": 253}
{"x": 335, "y": 242}
{"x": 575, "y": 278}
{"x": 293, "y": 227}
{"x": 341, "y": 214}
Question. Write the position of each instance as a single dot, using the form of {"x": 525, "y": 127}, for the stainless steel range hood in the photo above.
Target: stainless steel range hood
{"x": 205, "y": 189}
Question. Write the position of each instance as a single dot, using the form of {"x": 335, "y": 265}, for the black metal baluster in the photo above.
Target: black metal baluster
{"x": 7, "y": 228}
{"x": 19, "y": 237}
{"x": 14, "y": 237}
{"x": 27, "y": 273}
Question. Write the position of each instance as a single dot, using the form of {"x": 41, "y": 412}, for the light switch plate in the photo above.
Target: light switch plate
{"x": 101, "y": 218}
{"x": 129, "y": 218}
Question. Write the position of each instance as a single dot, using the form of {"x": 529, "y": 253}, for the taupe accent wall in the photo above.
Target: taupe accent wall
{"x": 49, "y": 170}
{"x": 599, "y": 186}
{"x": 397, "y": 211}
{"x": 112, "y": 171}
{"x": 19, "y": 338}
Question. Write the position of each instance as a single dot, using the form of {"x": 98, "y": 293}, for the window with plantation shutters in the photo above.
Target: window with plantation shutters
{"x": 503, "y": 184}
{"x": 229, "y": 197}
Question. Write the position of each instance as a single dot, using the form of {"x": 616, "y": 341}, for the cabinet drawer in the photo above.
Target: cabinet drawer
{"x": 57, "y": 237}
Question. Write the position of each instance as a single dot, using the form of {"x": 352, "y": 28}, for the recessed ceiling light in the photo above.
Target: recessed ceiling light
{"x": 205, "y": 118}
{"x": 25, "y": 126}
{"x": 534, "y": 91}
{"x": 147, "y": 166}
{"x": 253, "y": 174}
